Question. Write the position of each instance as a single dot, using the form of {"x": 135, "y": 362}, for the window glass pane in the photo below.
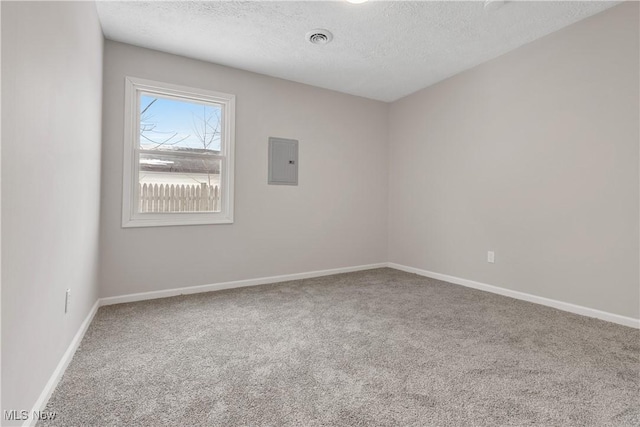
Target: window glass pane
{"x": 174, "y": 183}
{"x": 173, "y": 125}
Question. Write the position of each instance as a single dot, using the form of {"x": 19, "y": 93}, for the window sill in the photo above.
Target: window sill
{"x": 176, "y": 220}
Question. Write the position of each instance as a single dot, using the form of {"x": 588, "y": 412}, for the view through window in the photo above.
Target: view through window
{"x": 179, "y": 155}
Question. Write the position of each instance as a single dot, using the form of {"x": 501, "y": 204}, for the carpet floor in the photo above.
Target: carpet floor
{"x": 378, "y": 347}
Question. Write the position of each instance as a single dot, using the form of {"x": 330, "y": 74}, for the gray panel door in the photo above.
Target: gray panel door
{"x": 283, "y": 161}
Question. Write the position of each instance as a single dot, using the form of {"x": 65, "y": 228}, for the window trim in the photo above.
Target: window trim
{"x": 130, "y": 216}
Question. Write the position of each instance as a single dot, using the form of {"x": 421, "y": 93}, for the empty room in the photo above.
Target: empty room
{"x": 320, "y": 213}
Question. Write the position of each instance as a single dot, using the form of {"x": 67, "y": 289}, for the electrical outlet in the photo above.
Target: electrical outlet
{"x": 491, "y": 257}
{"x": 67, "y": 301}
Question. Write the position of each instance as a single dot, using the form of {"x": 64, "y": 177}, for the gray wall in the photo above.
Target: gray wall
{"x": 336, "y": 217}
{"x": 51, "y": 136}
{"x": 533, "y": 155}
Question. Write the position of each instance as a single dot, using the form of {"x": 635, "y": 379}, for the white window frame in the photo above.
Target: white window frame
{"x": 131, "y": 164}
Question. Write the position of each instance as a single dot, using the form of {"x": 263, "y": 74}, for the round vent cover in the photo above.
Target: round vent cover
{"x": 319, "y": 36}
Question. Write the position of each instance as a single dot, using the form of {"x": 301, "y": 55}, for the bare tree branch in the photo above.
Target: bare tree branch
{"x": 148, "y": 129}
{"x": 147, "y": 107}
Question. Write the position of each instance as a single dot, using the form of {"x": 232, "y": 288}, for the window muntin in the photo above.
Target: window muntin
{"x": 178, "y": 155}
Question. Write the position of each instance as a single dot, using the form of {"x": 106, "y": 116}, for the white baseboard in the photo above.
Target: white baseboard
{"x": 560, "y": 305}
{"x": 62, "y": 366}
{"x": 235, "y": 284}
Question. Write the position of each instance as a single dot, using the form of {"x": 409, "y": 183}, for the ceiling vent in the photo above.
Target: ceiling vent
{"x": 319, "y": 36}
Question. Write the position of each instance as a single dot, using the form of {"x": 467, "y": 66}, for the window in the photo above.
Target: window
{"x": 178, "y": 155}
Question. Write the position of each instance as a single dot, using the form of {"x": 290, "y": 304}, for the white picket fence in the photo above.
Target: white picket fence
{"x": 178, "y": 198}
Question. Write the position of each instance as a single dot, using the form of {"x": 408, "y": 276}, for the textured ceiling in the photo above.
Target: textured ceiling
{"x": 381, "y": 49}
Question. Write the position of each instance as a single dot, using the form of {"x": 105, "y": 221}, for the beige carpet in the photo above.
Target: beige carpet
{"x": 380, "y": 347}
